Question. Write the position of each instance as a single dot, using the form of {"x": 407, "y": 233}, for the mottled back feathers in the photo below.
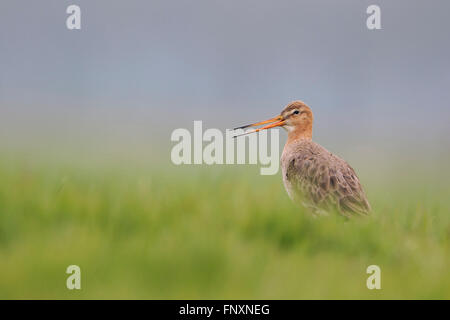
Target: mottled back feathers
{"x": 320, "y": 180}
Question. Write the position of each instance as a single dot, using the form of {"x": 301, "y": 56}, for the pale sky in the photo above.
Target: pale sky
{"x": 143, "y": 68}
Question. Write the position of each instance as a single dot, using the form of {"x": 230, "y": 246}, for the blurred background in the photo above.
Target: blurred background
{"x": 82, "y": 111}
{"x": 138, "y": 69}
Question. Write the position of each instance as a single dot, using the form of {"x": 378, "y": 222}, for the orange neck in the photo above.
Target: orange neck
{"x": 300, "y": 133}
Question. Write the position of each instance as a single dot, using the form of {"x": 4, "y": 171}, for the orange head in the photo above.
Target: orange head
{"x": 296, "y": 118}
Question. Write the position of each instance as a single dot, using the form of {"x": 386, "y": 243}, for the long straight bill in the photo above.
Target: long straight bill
{"x": 273, "y": 125}
{"x": 277, "y": 118}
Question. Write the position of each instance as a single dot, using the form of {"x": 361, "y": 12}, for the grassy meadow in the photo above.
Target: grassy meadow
{"x": 166, "y": 232}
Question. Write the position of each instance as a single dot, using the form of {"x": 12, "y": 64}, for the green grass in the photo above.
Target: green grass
{"x": 167, "y": 232}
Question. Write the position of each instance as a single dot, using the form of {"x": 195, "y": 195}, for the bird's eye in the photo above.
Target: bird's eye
{"x": 296, "y": 112}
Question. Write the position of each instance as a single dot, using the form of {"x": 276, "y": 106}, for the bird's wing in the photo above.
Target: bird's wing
{"x": 349, "y": 192}
{"x": 328, "y": 180}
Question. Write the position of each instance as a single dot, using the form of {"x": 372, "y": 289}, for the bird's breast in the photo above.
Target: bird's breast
{"x": 289, "y": 176}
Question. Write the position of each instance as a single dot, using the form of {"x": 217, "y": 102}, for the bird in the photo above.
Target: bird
{"x": 313, "y": 176}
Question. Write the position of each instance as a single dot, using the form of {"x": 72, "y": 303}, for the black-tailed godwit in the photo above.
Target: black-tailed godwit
{"x": 313, "y": 176}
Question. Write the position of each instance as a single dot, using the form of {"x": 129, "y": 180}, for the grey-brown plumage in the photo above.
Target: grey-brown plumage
{"x": 312, "y": 175}
{"x": 320, "y": 180}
